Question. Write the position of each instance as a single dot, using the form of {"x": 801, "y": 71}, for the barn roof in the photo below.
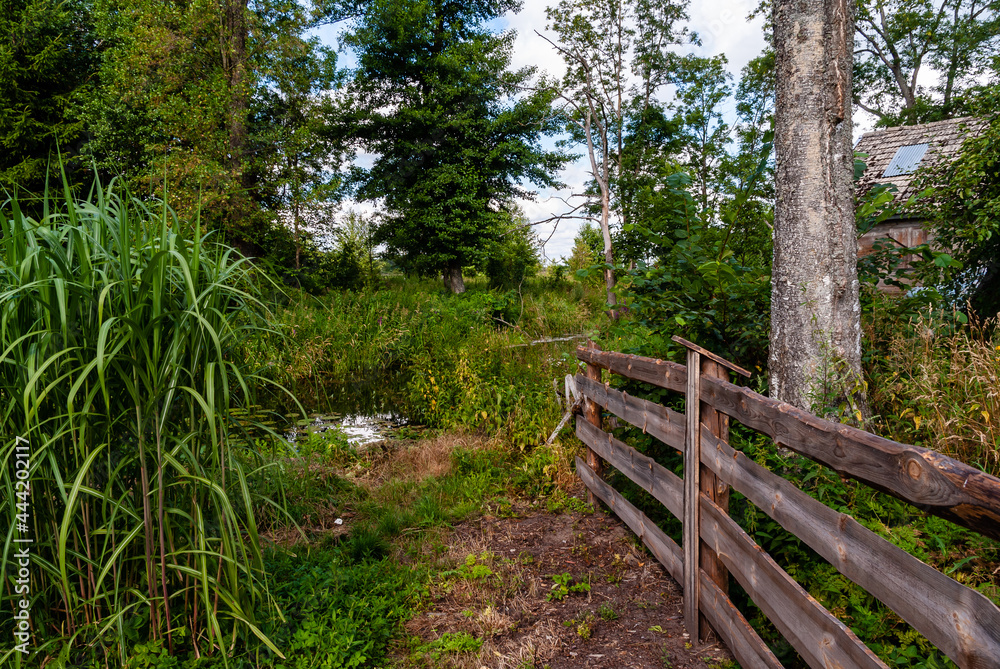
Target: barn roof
{"x": 894, "y": 154}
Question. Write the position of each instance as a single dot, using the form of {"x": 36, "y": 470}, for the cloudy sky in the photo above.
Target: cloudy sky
{"x": 723, "y": 27}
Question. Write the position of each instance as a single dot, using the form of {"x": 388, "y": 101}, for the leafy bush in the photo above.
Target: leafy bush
{"x": 513, "y": 259}
{"x": 964, "y": 208}
{"x": 345, "y": 267}
{"x": 694, "y": 286}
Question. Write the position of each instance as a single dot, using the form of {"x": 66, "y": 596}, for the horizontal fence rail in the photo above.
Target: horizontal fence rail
{"x": 962, "y": 623}
{"x": 926, "y": 479}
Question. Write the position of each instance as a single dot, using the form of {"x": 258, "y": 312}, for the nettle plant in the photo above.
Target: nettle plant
{"x": 120, "y": 332}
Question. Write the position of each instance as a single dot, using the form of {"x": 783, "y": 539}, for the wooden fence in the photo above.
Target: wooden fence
{"x": 962, "y": 623}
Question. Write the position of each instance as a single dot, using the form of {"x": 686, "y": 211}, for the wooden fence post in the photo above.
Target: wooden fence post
{"x": 701, "y": 362}
{"x": 692, "y": 505}
{"x": 592, "y": 414}
{"x": 713, "y": 487}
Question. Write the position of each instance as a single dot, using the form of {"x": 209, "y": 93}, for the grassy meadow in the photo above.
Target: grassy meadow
{"x": 153, "y": 371}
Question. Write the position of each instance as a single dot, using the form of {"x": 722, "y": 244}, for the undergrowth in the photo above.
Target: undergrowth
{"x": 936, "y": 383}
{"x": 471, "y": 362}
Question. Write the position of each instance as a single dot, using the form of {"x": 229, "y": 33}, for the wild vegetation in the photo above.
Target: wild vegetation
{"x": 120, "y": 325}
{"x": 183, "y": 306}
{"x": 177, "y": 335}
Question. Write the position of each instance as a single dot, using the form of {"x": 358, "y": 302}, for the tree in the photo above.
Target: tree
{"x": 649, "y": 152}
{"x": 47, "y": 60}
{"x": 453, "y": 134}
{"x": 293, "y": 114}
{"x": 187, "y": 103}
{"x": 964, "y": 208}
{"x": 750, "y": 171}
{"x": 160, "y": 118}
{"x": 815, "y": 342}
{"x": 702, "y": 84}
{"x": 514, "y": 256}
{"x": 897, "y": 40}
{"x": 617, "y": 58}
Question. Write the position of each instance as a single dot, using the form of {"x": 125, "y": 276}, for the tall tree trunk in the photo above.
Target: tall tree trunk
{"x": 609, "y": 256}
{"x": 453, "y": 279}
{"x": 298, "y": 246}
{"x": 234, "y": 60}
{"x": 815, "y": 353}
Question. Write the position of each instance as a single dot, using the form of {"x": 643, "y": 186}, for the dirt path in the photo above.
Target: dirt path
{"x": 497, "y": 589}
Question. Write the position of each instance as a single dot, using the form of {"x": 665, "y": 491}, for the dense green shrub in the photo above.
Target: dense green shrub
{"x": 693, "y": 285}
{"x": 514, "y": 258}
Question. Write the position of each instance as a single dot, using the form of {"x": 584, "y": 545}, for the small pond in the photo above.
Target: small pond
{"x": 368, "y": 407}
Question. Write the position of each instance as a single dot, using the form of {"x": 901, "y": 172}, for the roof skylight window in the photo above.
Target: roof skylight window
{"x": 906, "y": 160}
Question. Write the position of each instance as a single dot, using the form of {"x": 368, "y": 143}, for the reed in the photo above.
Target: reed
{"x": 120, "y": 328}
{"x": 939, "y": 386}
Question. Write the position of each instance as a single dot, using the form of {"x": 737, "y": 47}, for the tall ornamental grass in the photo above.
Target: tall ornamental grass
{"x": 119, "y": 327}
{"x": 939, "y": 386}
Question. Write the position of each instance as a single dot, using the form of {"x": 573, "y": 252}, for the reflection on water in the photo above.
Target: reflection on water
{"x": 360, "y": 429}
{"x": 368, "y": 407}
{"x": 368, "y": 394}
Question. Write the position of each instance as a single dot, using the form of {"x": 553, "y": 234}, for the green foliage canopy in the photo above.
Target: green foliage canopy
{"x": 455, "y": 137}
{"x": 47, "y": 59}
{"x": 896, "y": 39}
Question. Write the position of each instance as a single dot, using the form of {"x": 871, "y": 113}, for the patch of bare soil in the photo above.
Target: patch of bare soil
{"x": 517, "y": 585}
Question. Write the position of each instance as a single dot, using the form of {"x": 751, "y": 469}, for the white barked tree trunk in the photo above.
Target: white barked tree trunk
{"x": 815, "y": 343}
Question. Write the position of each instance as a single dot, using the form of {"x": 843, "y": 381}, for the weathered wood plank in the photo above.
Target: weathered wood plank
{"x": 748, "y": 648}
{"x": 961, "y": 622}
{"x": 659, "y": 421}
{"x": 712, "y": 487}
{"x": 692, "y": 488}
{"x": 592, "y": 413}
{"x": 821, "y": 639}
{"x": 663, "y": 547}
{"x": 734, "y": 630}
{"x": 718, "y": 359}
{"x": 968, "y": 631}
{"x": 660, "y": 373}
{"x": 665, "y": 486}
{"x": 810, "y": 628}
{"x": 928, "y": 480}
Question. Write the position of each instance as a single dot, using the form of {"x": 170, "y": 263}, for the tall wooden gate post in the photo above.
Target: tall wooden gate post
{"x": 700, "y": 480}
{"x": 692, "y": 506}
{"x": 592, "y": 414}
{"x": 713, "y": 487}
